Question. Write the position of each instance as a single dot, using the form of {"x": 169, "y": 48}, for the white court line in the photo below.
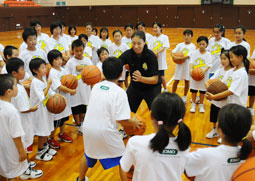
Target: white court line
{"x": 169, "y": 82}
{"x": 177, "y": 86}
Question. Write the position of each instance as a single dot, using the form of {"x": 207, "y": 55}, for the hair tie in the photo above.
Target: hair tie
{"x": 160, "y": 122}
{"x": 244, "y": 138}
{"x": 179, "y": 121}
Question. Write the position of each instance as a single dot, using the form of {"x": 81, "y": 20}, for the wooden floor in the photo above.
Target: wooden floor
{"x": 65, "y": 165}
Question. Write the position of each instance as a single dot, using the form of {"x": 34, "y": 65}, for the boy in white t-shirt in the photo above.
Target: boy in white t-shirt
{"x": 103, "y": 54}
{"x": 80, "y": 100}
{"x": 9, "y": 52}
{"x": 87, "y": 49}
{"x": 104, "y": 142}
{"x": 15, "y": 66}
{"x": 12, "y": 153}
{"x": 182, "y": 70}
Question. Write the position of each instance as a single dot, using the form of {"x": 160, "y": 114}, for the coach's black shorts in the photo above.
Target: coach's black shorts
{"x": 81, "y": 109}
{"x": 214, "y": 113}
{"x": 195, "y": 91}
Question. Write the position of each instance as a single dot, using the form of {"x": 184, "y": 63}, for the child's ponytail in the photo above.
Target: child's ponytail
{"x": 160, "y": 140}
{"x": 184, "y": 136}
{"x": 245, "y": 149}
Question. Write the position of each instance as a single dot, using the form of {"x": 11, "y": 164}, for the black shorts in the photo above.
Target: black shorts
{"x": 135, "y": 96}
{"x": 60, "y": 122}
{"x": 251, "y": 91}
{"x": 161, "y": 72}
{"x": 214, "y": 113}
{"x": 127, "y": 74}
{"x": 195, "y": 91}
{"x": 81, "y": 109}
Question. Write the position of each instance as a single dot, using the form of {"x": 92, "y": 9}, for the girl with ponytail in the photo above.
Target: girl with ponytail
{"x": 161, "y": 155}
{"x": 234, "y": 122}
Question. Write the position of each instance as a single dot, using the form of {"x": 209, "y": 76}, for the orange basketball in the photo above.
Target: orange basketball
{"x": 197, "y": 74}
{"x": 135, "y": 131}
{"x": 178, "y": 54}
{"x": 246, "y": 171}
{"x": 70, "y": 81}
{"x": 91, "y": 75}
{"x": 130, "y": 173}
{"x": 48, "y": 67}
{"x": 210, "y": 81}
{"x": 27, "y": 82}
{"x": 56, "y": 104}
{"x": 217, "y": 87}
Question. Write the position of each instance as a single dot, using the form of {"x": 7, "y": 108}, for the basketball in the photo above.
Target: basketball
{"x": 91, "y": 75}
{"x": 56, "y": 104}
{"x": 48, "y": 67}
{"x": 27, "y": 82}
{"x": 210, "y": 81}
{"x": 135, "y": 131}
{"x": 70, "y": 81}
{"x": 197, "y": 74}
{"x": 245, "y": 171}
{"x": 252, "y": 66}
{"x": 178, "y": 54}
{"x": 217, "y": 87}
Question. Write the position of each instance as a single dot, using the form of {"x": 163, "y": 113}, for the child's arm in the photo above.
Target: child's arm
{"x": 221, "y": 95}
{"x": 130, "y": 122}
{"x": 179, "y": 58}
{"x": 32, "y": 109}
{"x": 137, "y": 77}
{"x": 191, "y": 67}
{"x": 20, "y": 148}
{"x": 49, "y": 82}
{"x": 66, "y": 89}
{"x": 156, "y": 52}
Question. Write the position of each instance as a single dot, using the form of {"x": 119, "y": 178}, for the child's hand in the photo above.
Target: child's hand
{"x": 72, "y": 92}
{"x": 33, "y": 109}
{"x": 137, "y": 76}
{"x": 209, "y": 96}
{"x": 79, "y": 67}
{"x": 49, "y": 82}
{"x": 191, "y": 72}
{"x": 22, "y": 155}
{"x": 135, "y": 122}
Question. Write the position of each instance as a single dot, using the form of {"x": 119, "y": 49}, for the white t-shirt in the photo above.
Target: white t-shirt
{"x": 83, "y": 90}
{"x": 149, "y": 165}
{"x": 212, "y": 164}
{"x": 60, "y": 45}
{"x": 4, "y": 71}
{"x": 71, "y": 39}
{"x": 1, "y": 50}
{"x": 252, "y": 77}
{"x": 159, "y": 43}
{"x": 182, "y": 70}
{"x": 55, "y": 76}
{"x": 10, "y": 128}
{"x": 87, "y": 52}
{"x": 28, "y": 55}
{"x": 148, "y": 38}
{"x": 127, "y": 41}
{"x": 116, "y": 51}
{"x": 42, "y": 118}
{"x": 200, "y": 61}
{"x": 214, "y": 48}
{"x": 21, "y": 103}
{"x": 243, "y": 43}
{"x": 239, "y": 87}
{"x": 93, "y": 41}
{"x": 101, "y": 136}
{"x": 105, "y": 43}
{"x": 65, "y": 36}
{"x": 99, "y": 65}
{"x": 225, "y": 77}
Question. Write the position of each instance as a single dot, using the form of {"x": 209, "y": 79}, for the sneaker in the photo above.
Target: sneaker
{"x": 184, "y": 99}
{"x": 86, "y": 179}
{"x": 30, "y": 149}
{"x": 79, "y": 130}
{"x": 65, "y": 138}
{"x": 123, "y": 133}
{"x": 31, "y": 174}
{"x": 31, "y": 164}
{"x": 165, "y": 90}
{"x": 252, "y": 111}
{"x": 201, "y": 108}
{"x": 53, "y": 143}
{"x": 219, "y": 140}
{"x": 197, "y": 100}
{"x": 193, "y": 108}
{"x": 212, "y": 134}
{"x": 51, "y": 151}
{"x": 43, "y": 155}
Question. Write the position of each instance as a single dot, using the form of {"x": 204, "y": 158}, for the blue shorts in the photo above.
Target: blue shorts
{"x": 106, "y": 163}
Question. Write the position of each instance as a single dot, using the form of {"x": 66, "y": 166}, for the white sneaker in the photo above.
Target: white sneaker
{"x": 165, "y": 90}
{"x": 212, "y": 134}
{"x": 86, "y": 179}
{"x": 197, "y": 100}
{"x": 31, "y": 174}
{"x": 50, "y": 150}
{"x": 43, "y": 155}
{"x": 193, "y": 108}
{"x": 219, "y": 140}
{"x": 32, "y": 164}
{"x": 184, "y": 99}
{"x": 252, "y": 111}
{"x": 201, "y": 108}
{"x": 123, "y": 133}
{"x": 79, "y": 130}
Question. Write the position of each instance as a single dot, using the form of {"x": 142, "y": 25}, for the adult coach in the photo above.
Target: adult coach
{"x": 145, "y": 82}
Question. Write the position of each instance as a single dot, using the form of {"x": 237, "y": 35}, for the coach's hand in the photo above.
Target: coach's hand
{"x": 137, "y": 76}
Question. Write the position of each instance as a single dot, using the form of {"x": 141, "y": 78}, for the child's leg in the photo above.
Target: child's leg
{"x": 123, "y": 175}
{"x": 120, "y": 83}
{"x": 77, "y": 119}
{"x": 83, "y": 169}
{"x": 163, "y": 82}
{"x": 52, "y": 135}
{"x": 41, "y": 141}
{"x": 202, "y": 95}
{"x": 82, "y": 115}
{"x": 251, "y": 101}
{"x": 193, "y": 96}
{"x": 186, "y": 88}
{"x": 175, "y": 84}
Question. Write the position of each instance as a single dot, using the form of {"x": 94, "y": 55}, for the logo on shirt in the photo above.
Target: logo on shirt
{"x": 145, "y": 67}
{"x": 90, "y": 44}
{"x": 59, "y": 47}
{"x": 35, "y": 56}
{"x": 221, "y": 77}
{"x": 104, "y": 87}
{"x": 185, "y": 52}
{"x": 216, "y": 49}
{"x": 105, "y": 46}
{"x": 229, "y": 82}
{"x": 129, "y": 44}
{"x": 43, "y": 45}
{"x": 200, "y": 62}
{"x": 157, "y": 46}
{"x": 169, "y": 152}
{"x": 86, "y": 54}
{"x": 234, "y": 160}
{"x": 117, "y": 53}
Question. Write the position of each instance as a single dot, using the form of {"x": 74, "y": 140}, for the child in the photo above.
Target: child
{"x": 104, "y": 38}
{"x": 116, "y": 49}
{"x": 127, "y": 39}
{"x": 159, "y": 46}
{"x": 161, "y": 155}
{"x": 222, "y": 74}
{"x": 104, "y": 142}
{"x": 87, "y": 49}
{"x": 30, "y": 38}
{"x": 141, "y": 26}
{"x": 201, "y": 58}
{"x": 56, "y": 72}
{"x": 103, "y": 54}
{"x": 80, "y": 100}
{"x": 13, "y": 156}
{"x": 42, "y": 119}
{"x": 182, "y": 70}
{"x": 251, "y": 91}
{"x": 215, "y": 45}
{"x": 72, "y": 31}
{"x": 220, "y": 163}
{"x": 94, "y": 31}
{"x": 15, "y": 66}
{"x": 63, "y": 27}
{"x": 9, "y": 52}
{"x": 59, "y": 43}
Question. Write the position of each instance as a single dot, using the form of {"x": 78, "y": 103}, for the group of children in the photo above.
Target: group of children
{"x": 25, "y": 115}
